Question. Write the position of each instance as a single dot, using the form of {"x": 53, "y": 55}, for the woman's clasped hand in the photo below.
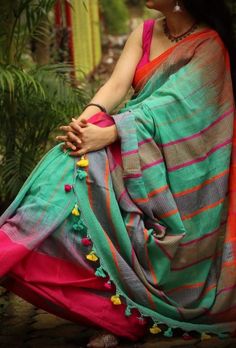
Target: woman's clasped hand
{"x": 82, "y": 137}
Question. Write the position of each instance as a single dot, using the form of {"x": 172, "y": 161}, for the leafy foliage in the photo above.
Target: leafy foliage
{"x": 115, "y": 15}
{"x": 34, "y": 100}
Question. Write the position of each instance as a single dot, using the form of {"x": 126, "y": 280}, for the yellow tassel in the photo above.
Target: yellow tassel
{"x": 155, "y": 329}
{"x": 92, "y": 256}
{"x": 205, "y": 336}
{"x": 75, "y": 212}
{"x": 115, "y": 299}
{"x": 83, "y": 162}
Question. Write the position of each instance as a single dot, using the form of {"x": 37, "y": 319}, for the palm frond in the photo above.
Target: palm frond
{"x": 56, "y": 81}
{"x": 13, "y": 78}
{"x": 15, "y": 171}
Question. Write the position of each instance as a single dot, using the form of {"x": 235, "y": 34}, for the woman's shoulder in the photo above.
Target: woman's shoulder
{"x": 136, "y": 35}
{"x": 137, "y": 31}
{"x": 142, "y": 28}
{"x": 144, "y": 24}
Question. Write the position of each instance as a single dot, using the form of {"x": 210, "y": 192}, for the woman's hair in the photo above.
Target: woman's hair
{"x": 216, "y": 14}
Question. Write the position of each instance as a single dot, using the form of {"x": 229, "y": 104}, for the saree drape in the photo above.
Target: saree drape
{"x": 151, "y": 218}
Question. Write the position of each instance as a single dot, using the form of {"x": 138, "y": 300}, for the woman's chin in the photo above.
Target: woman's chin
{"x": 150, "y": 4}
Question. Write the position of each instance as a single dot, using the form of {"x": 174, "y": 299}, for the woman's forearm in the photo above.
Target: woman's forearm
{"x": 109, "y": 95}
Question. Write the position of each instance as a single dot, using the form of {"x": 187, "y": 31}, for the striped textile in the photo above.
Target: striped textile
{"x": 157, "y": 205}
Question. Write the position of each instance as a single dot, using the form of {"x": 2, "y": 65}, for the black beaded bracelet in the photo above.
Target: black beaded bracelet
{"x": 98, "y": 105}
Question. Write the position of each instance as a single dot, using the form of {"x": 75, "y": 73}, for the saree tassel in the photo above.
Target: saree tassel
{"x": 187, "y": 337}
{"x": 75, "y": 211}
{"x": 92, "y": 256}
{"x": 115, "y": 299}
{"x": 68, "y": 187}
{"x": 155, "y": 329}
{"x": 79, "y": 226}
{"x": 83, "y": 162}
{"x": 205, "y": 336}
{"x": 100, "y": 272}
{"x": 75, "y": 227}
{"x": 86, "y": 241}
{"x": 108, "y": 285}
{"x": 81, "y": 174}
{"x": 168, "y": 332}
{"x": 128, "y": 312}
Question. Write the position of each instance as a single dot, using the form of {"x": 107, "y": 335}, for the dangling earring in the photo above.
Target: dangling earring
{"x": 177, "y": 7}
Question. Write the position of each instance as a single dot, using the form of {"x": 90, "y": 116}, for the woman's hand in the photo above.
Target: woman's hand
{"x": 73, "y": 133}
{"x": 82, "y": 137}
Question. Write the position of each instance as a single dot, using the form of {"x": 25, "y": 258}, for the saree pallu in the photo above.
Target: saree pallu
{"x": 146, "y": 226}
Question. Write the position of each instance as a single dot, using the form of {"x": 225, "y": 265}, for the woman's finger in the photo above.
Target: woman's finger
{"x": 66, "y": 128}
{"x": 67, "y": 144}
{"x": 76, "y": 128}
{"x": 82, "y": 122}
{"x": 79, "y": 152}
{"x": 61, "y": 138}
{"x": 73, "y": 138}
{"x": 67, "y": 141}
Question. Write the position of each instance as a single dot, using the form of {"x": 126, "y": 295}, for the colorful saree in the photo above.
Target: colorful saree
{"x": 142, "y": 232}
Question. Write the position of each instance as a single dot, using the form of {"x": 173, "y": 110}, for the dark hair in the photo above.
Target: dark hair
{"x": 216, "y": 14}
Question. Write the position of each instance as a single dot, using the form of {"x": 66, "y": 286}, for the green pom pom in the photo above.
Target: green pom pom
{"x": 81, "y": 174}
{"x": 128, "y": 311}
{"x": 100, "y": 272}
{"x": 168, "y": 332}
{"x": 80, "y": 226}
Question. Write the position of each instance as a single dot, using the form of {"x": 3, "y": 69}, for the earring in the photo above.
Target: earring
{"x": 177, "y": 7}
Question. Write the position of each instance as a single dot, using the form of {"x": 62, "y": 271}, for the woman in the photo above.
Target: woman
{"x": 140, "y": 234}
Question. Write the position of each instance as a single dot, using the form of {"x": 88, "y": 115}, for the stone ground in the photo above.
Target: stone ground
{"x": 22, "y": 325}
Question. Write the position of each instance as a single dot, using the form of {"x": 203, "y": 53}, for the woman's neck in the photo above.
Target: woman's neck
{"x": 179, "y": 22}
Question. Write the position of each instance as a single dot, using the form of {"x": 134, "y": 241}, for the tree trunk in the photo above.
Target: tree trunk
{"x": 41, "y": 44}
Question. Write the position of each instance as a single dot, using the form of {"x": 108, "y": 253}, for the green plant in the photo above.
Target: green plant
{"x": 34, "y": 99}
{"x": 115, "y": 14}
{"x": 232, "y": 7}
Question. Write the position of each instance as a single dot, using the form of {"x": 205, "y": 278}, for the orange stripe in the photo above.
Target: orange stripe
{"x": 106, "y": 179}
{"x": 229, "y": 263}
{"x": 150, "y": 299}
{"x": 154, "y": 192}
{"x": 130, "y": 222}
{"x": 188, "y": 286}
{"x": 151, "y": 194}
{"x": 192, "y": 286}
{"x": 208, "y": 289}
{"x": 108, "y": 202}
{"x": 169, "y": 213}
{"x": 195, "y": 188}
{"x": 186, "y": 217}
{"x": 112, "y": 248}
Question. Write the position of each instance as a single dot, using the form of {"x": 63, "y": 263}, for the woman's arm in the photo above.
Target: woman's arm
{"x": 80, "y": 138}
{"x": 115, "y": 89}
